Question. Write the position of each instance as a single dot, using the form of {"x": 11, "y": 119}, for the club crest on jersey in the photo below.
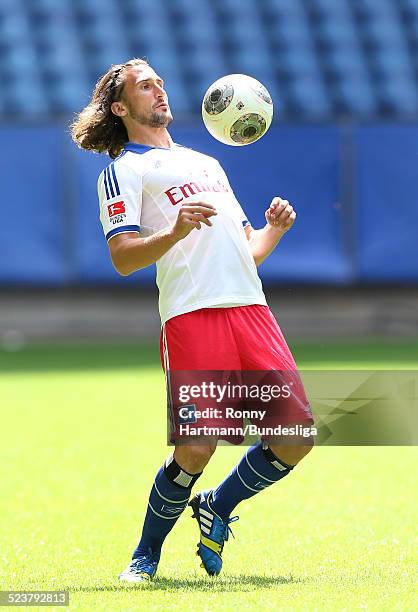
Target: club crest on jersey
{"x": 117, "y": 212}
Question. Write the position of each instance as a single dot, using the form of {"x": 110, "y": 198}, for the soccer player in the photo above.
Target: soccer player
{"x": 166, "y": 204}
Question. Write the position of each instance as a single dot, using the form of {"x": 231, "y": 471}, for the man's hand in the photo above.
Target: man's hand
{"x": 280, "y": 215}
{"x": 130, "y": 252}
{"x": 192, "y": 216}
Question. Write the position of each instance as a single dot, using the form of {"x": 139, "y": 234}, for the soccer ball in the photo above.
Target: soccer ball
{"x": 237, "y": 110}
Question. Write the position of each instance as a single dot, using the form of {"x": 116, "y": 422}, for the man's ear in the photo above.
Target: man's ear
{"x": 118, "y": 109}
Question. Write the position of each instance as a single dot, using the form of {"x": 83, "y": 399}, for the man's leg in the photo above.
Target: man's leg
{"x": 170, "y": 493}
{"x": 261, "y": 347}
{"x": 261, "y": 466}
{"x": 168, "y": 498}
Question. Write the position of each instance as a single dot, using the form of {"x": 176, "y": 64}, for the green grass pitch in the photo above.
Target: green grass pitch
{"x": 82, "y": 434}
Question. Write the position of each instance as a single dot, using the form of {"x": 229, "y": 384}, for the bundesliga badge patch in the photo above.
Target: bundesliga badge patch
{"x": 117, "y": 212}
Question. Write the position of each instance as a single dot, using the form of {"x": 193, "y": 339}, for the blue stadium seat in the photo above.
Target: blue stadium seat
{"x": 308, "y": 98}
{"x": 190, "y": 6}
{"x": 297, "y": 62}
{"x": 330, "y": 12}
{"x": 61, "y": 56}
{"x": 150, "y": 29}
{"x": 69, "y": 94}
{"x": 242, "y": 33}
{"x": 105, "y": 56}
{"x": 410, "y": 6}
{"x": 22, "y": 60}
{"x": 49, "y": 6}
{"x": 194, "y": 28}
{"x": 233, "y": 7}
{"x": 27, "y": 97}
{"x": 384, "y": 31}
{"x": 328, "y": 7}
{"x": 98, "y": 6}
{"x": 282, "y": 8}
{"x": 413, "y": 4}
{"x": 354, "y": 95}
{"x": 14, "y": 27}
{"x": 398, "y": 96}
{"x": 388, "y": 50}
{"x": 145, "y": 9}
{"x": 413, "y": 29}
{"x": 9, "y": 7}
{"x": 337, "y": 33}
{"x": 390, "y": 60}
{"x": 370, "y": 9}
{"x": 243, "y": 27}
{"x": 344, "y": 60}
{"x": 12, "y": 9}
{"x": 55, "y": 29}
{"x": 43, "y": 12}
{"x": 244, "y": 61}
{"x": 198, "y": 63}
{"x": 4, "y": 106}
{"x": 105, "y": 25}
{"x": 191, "y": 9}
{"x": 411, "y": 25}
{"x": 290, "y": 32}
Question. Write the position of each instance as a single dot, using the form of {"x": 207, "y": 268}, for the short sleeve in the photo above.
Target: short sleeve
{"x": 119, "y": 189}
{"x": 237, "y": 206}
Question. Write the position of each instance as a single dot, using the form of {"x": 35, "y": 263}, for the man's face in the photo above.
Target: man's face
{"x": 144, "y": 97}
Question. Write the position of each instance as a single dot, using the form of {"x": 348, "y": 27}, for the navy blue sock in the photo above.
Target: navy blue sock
{"x": 168, "y": 498}
{"x": 258, "y": 469}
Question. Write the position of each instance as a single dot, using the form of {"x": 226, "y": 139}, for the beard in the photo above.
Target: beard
{"x": 154, "y": 119}
{"x": 160, "y": 119}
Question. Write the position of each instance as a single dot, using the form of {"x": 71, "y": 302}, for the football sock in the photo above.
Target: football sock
{"x": 258, "y": 469}
{"x": 168, "y": 498}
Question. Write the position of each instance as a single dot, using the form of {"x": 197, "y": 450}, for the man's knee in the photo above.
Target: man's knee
{"x": 294, "y": 452}
{"x": 194, "y": 457}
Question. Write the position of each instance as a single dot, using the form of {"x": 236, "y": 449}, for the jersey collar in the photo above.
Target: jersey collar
{"x": 140, "y": 148}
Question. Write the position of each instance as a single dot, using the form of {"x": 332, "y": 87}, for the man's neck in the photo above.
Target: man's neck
{"x": 151, "y": 137}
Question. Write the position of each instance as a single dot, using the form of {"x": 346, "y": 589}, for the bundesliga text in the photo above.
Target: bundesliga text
{"x": 248, "y": 430}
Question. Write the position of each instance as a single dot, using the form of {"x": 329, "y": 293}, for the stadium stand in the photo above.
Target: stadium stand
{"x": 320, "y": 59}
{"x": 343, "y": 77}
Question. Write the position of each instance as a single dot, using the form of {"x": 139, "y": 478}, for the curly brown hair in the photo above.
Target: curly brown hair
{"x": 96, "y": 128}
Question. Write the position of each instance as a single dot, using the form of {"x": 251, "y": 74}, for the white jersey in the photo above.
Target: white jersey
{"x": 142, "y": 191}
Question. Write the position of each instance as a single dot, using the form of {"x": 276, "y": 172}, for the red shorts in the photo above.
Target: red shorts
{"x": 244, "y": 340}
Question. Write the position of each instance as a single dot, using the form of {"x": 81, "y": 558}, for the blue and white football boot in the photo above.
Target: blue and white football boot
{"x": 141, "y": 569}
{"x": 214, "y": 532}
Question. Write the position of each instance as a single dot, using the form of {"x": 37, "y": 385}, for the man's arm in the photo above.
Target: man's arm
{"x": 130, "y": 252}
{"x": 280, "y": 217}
